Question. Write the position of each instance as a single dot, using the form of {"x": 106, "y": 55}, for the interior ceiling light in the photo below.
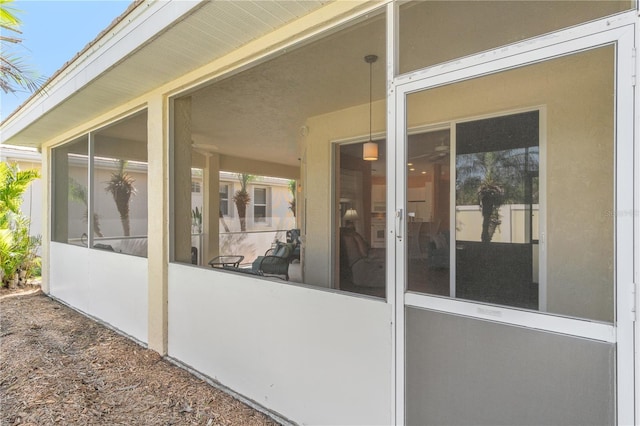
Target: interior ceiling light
{"x": 370, "y": 149}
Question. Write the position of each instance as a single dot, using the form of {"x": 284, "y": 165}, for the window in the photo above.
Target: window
{"x": 260, "y": 205}
{"x": 359, "y": 253}
{"x": 71, "y": 193}
{"x": 257, "y": 123}
{"x": 118, "y": 190}
{"x": 224, "y": 199}
{"x": 195, "y": 187}
{"x": 497, "y": 192}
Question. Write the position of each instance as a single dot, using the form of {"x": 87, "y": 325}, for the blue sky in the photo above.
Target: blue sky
{"x": 53, "y": 31}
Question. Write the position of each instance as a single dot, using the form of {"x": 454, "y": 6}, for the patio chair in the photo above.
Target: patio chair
{"x": 275, "y": 261}
{"x": 293, "y": 236}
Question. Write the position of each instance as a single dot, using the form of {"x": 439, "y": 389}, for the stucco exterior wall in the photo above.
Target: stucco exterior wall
{"x": 315, "y": 357}
{"x": 577, "y": 92}
{"x": 318, "y": 185}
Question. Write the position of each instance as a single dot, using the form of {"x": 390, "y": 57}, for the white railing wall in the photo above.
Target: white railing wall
{"x": 511, "y": 229}
{"x": 313, "y": 356}
{"x": 106, "y": 285}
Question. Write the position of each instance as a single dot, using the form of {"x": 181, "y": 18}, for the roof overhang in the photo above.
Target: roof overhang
{"x": 151, "y": 44}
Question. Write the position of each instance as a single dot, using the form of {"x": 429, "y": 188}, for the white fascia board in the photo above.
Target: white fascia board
{"x": 11, "y": 153}
{"x": 140, "y": 26}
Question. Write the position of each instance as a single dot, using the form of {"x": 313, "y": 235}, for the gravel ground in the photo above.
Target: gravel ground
{"x": 59, "y": 367}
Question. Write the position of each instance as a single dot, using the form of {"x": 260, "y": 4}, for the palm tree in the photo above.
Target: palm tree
{"x": 13, "y": 183}
{"x": 121, "y": 188}
{"x": 242, "y": 199}
{"x": 17, "y": 247}
{"x": 14, "y": 73}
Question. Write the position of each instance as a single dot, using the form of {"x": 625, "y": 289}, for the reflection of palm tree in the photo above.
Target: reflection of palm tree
{"x": 242, "y": 199}
{"x": 121, "y": 187}
{"x": 490, "y": 199}
{"x": 491, "y": 179}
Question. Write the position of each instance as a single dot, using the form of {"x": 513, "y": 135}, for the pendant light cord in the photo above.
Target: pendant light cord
{"x": 370, "y": 97}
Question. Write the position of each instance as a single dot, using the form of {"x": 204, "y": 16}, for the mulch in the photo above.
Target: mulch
{"x": 59, "y": 367}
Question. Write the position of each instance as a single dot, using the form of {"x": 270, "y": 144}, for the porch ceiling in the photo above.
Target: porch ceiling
{"x": 259, "y": 113}
{"x": 147, "y": 48}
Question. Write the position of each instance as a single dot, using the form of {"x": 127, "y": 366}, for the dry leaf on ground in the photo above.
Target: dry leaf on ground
{"x": 60, "y": 367}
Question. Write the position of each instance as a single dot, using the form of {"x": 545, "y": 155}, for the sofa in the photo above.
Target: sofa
{"x": 365, "y": 267}
{"x": 438, "y": 251}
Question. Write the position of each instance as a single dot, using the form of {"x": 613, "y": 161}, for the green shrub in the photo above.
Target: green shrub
{"x": 18, "y": 250}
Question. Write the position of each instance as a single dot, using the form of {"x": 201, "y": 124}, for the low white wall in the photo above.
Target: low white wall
{"x": 315, "y": 357}
{"x": 109, "y": 286}
{"x": 511, "y": 229}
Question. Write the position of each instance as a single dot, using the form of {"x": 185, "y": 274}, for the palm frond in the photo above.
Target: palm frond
{"x": 15, "y": 74}
{"x": 8, "y": 18}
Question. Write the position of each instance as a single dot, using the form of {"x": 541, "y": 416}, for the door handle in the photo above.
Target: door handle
{"x": 399, "y": 217}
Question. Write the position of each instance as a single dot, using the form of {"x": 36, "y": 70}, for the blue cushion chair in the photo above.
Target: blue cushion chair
{"x": 275, "y": 261}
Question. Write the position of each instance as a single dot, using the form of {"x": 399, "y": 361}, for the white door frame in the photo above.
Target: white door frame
{"x": 618, "y": 30}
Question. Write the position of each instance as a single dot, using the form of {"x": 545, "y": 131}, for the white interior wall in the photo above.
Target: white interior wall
{"x": 315, "y": 357}
{"x": 109, "y": 286}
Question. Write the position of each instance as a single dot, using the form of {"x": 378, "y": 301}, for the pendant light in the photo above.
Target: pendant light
{"x": 370, "y": 149}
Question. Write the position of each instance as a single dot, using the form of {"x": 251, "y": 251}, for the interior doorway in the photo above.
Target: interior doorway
{"x": 360, "y": 200}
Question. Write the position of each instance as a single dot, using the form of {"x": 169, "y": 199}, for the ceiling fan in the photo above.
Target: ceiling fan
{"x": 439, "y": 151}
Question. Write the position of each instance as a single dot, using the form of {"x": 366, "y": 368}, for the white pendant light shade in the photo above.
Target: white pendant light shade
{"x": 370, "y": 151}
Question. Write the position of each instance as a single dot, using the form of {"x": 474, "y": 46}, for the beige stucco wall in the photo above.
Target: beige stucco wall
{"x": 577, "y": 94}
{"x": 469, "y": 26}
{"x": 348, "y": 123}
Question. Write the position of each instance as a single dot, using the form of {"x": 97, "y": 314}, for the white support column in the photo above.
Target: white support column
{"x": 158, "y": 224}
{"x": 47, "y": 196}
{"x": 90, "y": 188}
{"x": 211, "y": 207}
{"x": 60, "y": 190}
